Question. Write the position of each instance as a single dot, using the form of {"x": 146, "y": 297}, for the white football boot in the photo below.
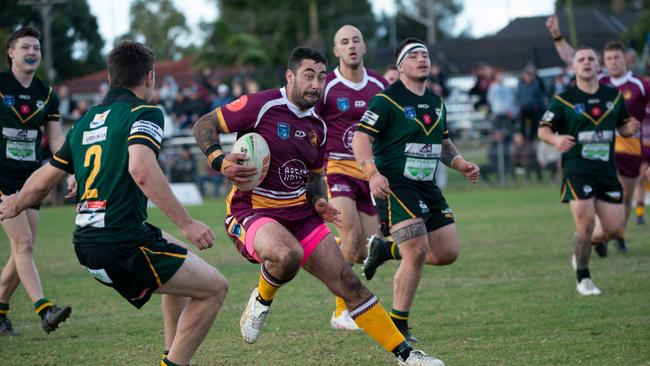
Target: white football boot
{"x": 253, "y": 318}
{"x": 586, "y": 287}
{"x": 343, "y": 321}
{"x": 419, "y": 358}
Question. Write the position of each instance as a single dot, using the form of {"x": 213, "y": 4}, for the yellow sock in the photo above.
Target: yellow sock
{"x": 640, "y": 211}
{"x": 373, "y": 319}
{"x": 338, "y": 240}
{"x": 267, "y": 286}
{"x": 340, "y": 306}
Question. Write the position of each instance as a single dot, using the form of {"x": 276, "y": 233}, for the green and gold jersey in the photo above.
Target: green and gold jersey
{"x": 112, "y": 208}
{"x": 592, "y": 120}
{"x": 408, "y": 130}
{"x": 23, "y": 112}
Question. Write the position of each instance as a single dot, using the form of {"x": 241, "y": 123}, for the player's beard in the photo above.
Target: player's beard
{"x": 305, "y": 103}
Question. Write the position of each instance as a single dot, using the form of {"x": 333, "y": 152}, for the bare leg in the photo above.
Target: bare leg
{"x": 413, "y": 246}
{"x": 172, "y": 308}
{"x": 279, "y": 250}
{"x": 350, "y": 230}
{"x": 629, "y": 184}
{"x": 443, "y": 246}
{"x": 584, "y": 214}
{"x": 369, "y": 226}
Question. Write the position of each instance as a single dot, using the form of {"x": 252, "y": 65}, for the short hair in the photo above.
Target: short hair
{"x": 403, "y": 44}
{"x": 584, "y": 47}
{"x": 304, "y": 53}
{"x": 390, "y": 67}
{"x": 129, "y": 63}
{"x": 614, "y": 46}
{"x": 26, "y": 31}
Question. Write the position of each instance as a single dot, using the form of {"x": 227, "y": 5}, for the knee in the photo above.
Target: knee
{"x": 414, "y": 254}
{"x": 585, "y": 229}
{"x": 23, "y": 245}
{"x": 617, "y": 231}
{"x": 289, "y": 258}
{"x": 221, "y": 288}
{"x": 449, "y": 256}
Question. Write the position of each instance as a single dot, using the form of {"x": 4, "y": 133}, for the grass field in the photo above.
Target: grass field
{"x": 510, "y": 299}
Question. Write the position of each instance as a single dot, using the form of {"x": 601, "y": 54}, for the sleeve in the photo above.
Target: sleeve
{"x": 53, "y": 114}
{"x": 623, "y": 113}
{"x": 147, "y": 128}
{"x": 241, "y": 114}
{"x": 377, "y": 117}
{"x": 63, "y": 158}
{"x": 554, "y": 116}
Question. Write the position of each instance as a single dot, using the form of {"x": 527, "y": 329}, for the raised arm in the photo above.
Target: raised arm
{"x": 563, "y": 48}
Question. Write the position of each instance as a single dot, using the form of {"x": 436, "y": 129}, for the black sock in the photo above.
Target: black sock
{"x": 389, "y": 250}
{"x": 400, "y": 319}
{"x": 402, "y": 351}
{"x": 4, "y": 310}
{"x": 583, "y": 273}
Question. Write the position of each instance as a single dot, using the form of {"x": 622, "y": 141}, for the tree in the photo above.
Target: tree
{"x": 76, "y": 43}
{"x": 159, "y": 25}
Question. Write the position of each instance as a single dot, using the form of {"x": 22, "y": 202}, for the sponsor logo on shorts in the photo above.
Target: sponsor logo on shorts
{"x": 423, "y": 206}
{"x": 587, "y": 189}
{"x": 614, "y": 194}
{"x": 343, "y": 104}
{"x": 10, "y": 100}
{"x": 341, "y": 188}
{"x": 580, "y": 108}
{"x": 370, "y": 118}
{"x": 100, "y": 275}
{"x": 99, "y": 119}
{"x": 93, "y": 136}
{"x": 447, "y": 213}
{"x": 284, "y": 130}
{"x": 409, "y": 112}
{"x": 548, "y": 116}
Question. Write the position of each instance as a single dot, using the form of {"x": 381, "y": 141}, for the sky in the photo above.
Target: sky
{"x": 479, "y": 17}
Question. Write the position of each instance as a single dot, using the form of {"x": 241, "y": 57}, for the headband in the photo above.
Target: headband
{"x": 411, "y": 47}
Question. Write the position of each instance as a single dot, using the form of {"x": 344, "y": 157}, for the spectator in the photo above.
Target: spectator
{"x": 183, "y": 168}
{"x": 497, "y": 147}
{"x": 523, "y": 158}
{"x": 484, "y": 77}
{"x": 196, "y": 106}
{"x": 391, "y": 74}
{"x": 66, "y": 104}
{"x": 502, "y": 104}
{"x": 180, "y": 111}
{"x": 80, "y": 109}
{"x": 168, "y": 91}
{"x": 236, "y": 88}
{"x": 437, "y": 81}
{"x": 223, "y": 96}
{"x": 530, "y": 97}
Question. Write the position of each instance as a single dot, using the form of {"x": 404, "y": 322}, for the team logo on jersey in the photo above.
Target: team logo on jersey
{"x": 627, "y": 94}
{"x": 24, "y": 109}
{"x": 609, "y": 105}
{"x": 99, "y": 119}
{"x": 409, "y": 112}
{"x": 40, "y": 104}
{"x": 596, "y": 111}
{"x": 343, "y": 104}
{"x": 438, "y": 112}
{"x": 9, "y": 100}
{"x": 283, "y": 130}
{"x": 237, "y": 105}
{"x": 580, "y": 108}
{"x": 359, "y": 103}
{"x": 427, "y": 119}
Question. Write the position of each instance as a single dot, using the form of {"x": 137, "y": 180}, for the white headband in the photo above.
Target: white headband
{"x": 411, "y": 47}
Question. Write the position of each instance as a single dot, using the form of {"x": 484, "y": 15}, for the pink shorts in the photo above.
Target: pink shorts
{"x": 340, "y": 185}
{"x": 628, "y": 165}
{"x": 309, "y": 232}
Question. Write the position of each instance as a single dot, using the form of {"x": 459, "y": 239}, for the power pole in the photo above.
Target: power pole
{"x": 428, "y": 20}
{"x": 45, "y": 6}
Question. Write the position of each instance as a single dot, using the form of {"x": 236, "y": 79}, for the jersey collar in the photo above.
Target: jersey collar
{"x": 350, "y": 84}
{"x": 622, "y": 80}
{"x": 294, "y": 108}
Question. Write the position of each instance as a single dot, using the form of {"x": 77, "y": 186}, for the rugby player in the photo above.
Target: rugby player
{"x": 280, "y": 224}
{"x": 581, "y": 123}
{"x": 112, "y": 150}
{"x": 348, "y": 89}
{"x": 28, "y": 106}
{"x": 398, "y": 144}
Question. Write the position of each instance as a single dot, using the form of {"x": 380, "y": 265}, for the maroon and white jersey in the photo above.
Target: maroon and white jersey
{"x": 636, "y": 92}
{"x": 296, "y": 142}
{"x": 343, "y": 104}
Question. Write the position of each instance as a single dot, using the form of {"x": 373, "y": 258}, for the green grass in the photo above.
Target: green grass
{"x": 510, "y": 299}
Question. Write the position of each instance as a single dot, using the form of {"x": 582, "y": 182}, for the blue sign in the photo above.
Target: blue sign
{"x": 9, "y": 100}
{"x": 580, "y": 108}
{"x": 283, "y": 130}
{"x": 343, "y": 104}
{"x": 410, "y": 112}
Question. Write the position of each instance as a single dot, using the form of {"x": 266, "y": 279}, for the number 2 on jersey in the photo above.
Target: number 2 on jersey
{"x": 96, "y": 151}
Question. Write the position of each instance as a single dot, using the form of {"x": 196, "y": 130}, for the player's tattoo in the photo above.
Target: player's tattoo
{"x": 409, "y": 232}
{"x": 316, "y": 187}
{"x": 582, "y": 250}
{"x": 448, "y": 152}
{"x": 206, "y": 132}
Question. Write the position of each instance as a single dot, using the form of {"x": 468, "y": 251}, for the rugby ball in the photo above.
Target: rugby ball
{"x": 256, "y": 149}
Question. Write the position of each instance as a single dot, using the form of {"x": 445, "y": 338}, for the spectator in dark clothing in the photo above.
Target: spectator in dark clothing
{"x": 484, "y": 77}
{"x": 180, "y": 112}
{"x": 531, "y": 100}
{"x": 183, "y": 169}
{"x": 437, "y": 81}
{"x": 223, "y": 97}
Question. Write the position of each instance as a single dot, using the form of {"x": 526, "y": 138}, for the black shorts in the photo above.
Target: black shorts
{"x": 584, "y": 186}
{"x": 382, "y": 214}
{"x": 408, "y": 201}
{"x": 135, "y": 270}
{"x": 10, "y": 184}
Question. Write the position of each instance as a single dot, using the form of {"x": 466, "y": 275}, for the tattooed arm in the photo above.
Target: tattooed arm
{"x": 206, "y": 133}
{"x": 317, "y": 197}
{"x": 450, "y": 156}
